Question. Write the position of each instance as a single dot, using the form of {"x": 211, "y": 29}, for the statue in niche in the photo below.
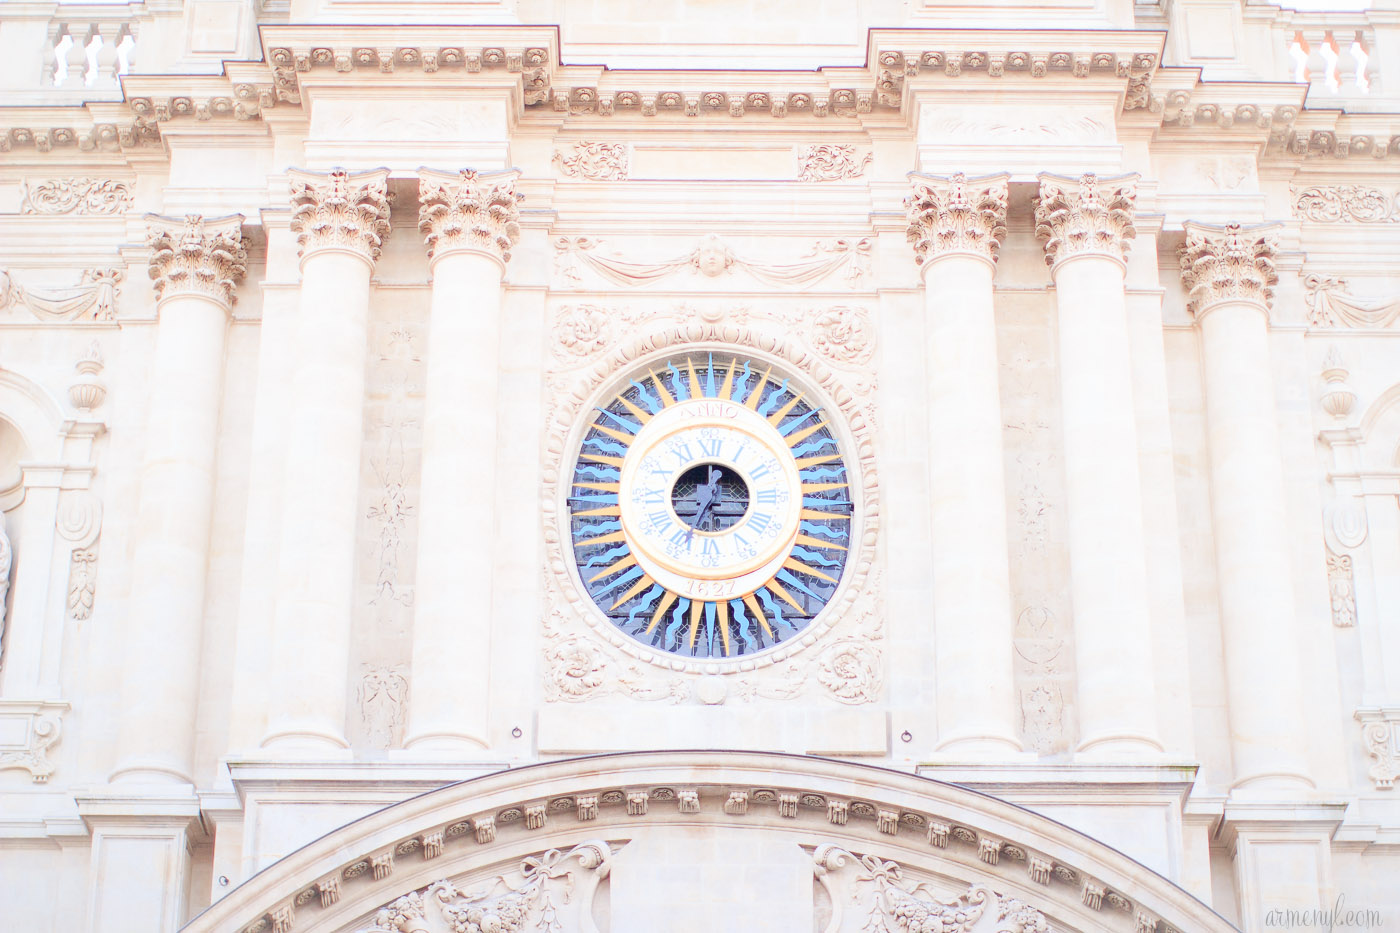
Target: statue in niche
{"x": 7, "y": 556}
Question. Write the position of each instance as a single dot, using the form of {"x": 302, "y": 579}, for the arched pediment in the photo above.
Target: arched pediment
{"x": 592, "y": 844}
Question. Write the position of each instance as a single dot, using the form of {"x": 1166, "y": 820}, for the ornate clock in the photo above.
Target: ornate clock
{"x": 710, "y": 509}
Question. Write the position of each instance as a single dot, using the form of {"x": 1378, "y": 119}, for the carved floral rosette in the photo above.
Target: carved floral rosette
{"x": 1085, "y": 216}
{"x": 340, "y": 209}
{"x": 585, "y": 658}
{"x": 195, "y": 256}
{"x": 469, "y": 210}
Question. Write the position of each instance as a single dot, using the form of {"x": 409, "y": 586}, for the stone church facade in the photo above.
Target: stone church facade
{"x": 485, "y": 465}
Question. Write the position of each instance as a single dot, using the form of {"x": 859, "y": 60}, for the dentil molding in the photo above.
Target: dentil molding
{"x": 194, "y": 256}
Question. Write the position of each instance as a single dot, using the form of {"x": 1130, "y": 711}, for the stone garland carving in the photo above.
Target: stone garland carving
{"x": 712, "y": 257}
{"x": 831, "y": 162}
{"x": 383, "y": 699}
{"x": 1341, "y": 588}
{"x": 1330, "y": 304}
{"x": 1330, "y": 204}
{"x": 93, "y": 298}
{"x": 548, "y": 893}
{"x": 1230, "y": 263}
{"x": 76, "y": 196}
{"x": 196, "y": 256}
{"x": 887, "y": 902}
{"x": 578, "y": 669}
{"x": 342, "y": 209}
{"x": 1085, "y": 216}
{"x": 469, "y": 210}
{"x": 956, "y": 215}
{"x": 80, "y": 521}
{"x": 1380, "y": 736}
{"x": 39, "y": 727}
{"x": 595, "y": 161}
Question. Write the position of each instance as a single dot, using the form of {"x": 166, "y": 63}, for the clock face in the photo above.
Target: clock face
{"x": 710, "y": 508}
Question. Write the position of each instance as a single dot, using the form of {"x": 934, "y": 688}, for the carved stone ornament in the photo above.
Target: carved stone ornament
{"x": 1085, "y": 216}
{"x": 1337, "y": 397}
{"x": 1331, "y": 304}
{"x": 595, "y": 161}
{"x": 87, "y": 391}
{"x": 830, "y": 162}
{"x": 340, "y": 210}
{"x": 1230, "y": 263}
{"x": 27, "y": 731}
{"x": 1341, "y": 589}
{"x": 711, "y": 258}
{"x": 194, "y": 256}
{"x": 76, "y": 196}
{"x": 551, "y": 891}
{"x": 468, "y": 210}
{"x": 93, "y": 298}
{"x": 844, "y": 335}
{"x": 868, "y": 893}
{"x": 1380, "y": 736}
{"x": 1331, "y": 204}
{"x": 957, "y": 215}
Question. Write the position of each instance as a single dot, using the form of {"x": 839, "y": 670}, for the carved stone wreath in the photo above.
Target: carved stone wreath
{"x": 580, "y": 669}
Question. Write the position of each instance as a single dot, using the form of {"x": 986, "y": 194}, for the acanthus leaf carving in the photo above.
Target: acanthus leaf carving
{"x": 340, "y": 209}
{"x": 76, "y": 196}
{"x": 1380, "y": 737}
{"x": 195, "y": 256}
{"x": 957, "y": 215}
{"x": 1230, "y": 263}
{"x": 831, "y": 162}
{"x": 595, "y": 161}
{"x": 1330, "y": 204}
{"x": 469, "y": 210}
{"x": 1085, "y": 216}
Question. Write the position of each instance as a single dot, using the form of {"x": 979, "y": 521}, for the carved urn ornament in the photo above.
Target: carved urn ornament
{"x": 710, "y": 511}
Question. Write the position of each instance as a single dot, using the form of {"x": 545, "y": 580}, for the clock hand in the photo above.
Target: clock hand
{"x": 708, "y": 496}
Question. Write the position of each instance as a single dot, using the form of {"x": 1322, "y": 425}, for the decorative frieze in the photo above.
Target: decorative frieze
{"x": 93, "y": 298}
{"x": 1330, "y": 204}
{"x": 1229, "y": 263}
{"x": 1085, "y": 216}
{"x": 957, "y": 215}
{"x": 1331, "y": 304}
{"x": 195, "y": 256}
{"x": 712, "y": 257}
{"x": 469, "y": 211}
{"x": 595, "y": 161}
{"x": 340, "y": 210}
{"x": 831, "y": 162}
{"x": 76, "y": 196}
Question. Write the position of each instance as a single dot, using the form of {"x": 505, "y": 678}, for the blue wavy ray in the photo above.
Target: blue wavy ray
{"x": 608, "y": 444}
{"x": 710, "y": 611}
{"x": 774, "y": 610}
{"x": 833, "y": 546}
{"x": 740, "y": 390}
{"x": 738, "y": 614}
{"x": 825, "y": 472}
{"x": 681, "y": 392}
{"x": 598, "y": 472}
{"x": 649, "y": 401}
{"x": 608, "y": 497}
{"x": 615, "y": 551}
{"x": 631, "y": 426}
{"x": 648, "y": 598}
{"x": 812, "y": 446}
{"x": 787, "y": 577}
{"x": 815, "y": 558}
{"x": 677, "y": 619}
{"x": 626, "y": 578}
{"x": 589, "y": 531}
{"x": 792, "y": 425}
{"x": 814, "y": 529}
{"x": 819, "y": 501}
{"x": 767, "y": 407}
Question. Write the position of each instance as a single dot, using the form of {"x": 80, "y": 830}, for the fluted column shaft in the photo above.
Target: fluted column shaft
{"x": 196, "y": 265}
{"x": 470, "y": 221}
{"x": 1229, "y": 274}
{"x": 1087, "y": 223}
{"x": 956, "y": 225}
{"x": 340, "y": 220}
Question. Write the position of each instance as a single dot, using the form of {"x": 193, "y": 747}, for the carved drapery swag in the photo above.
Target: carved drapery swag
{"x": 957, "y": 214}
{"x": 195, "y": 256}
{"x": 1230, "y": 263}
{"x": 94, "y": 297}
{"x": 340, "y": 210}
{"x": 76, "y": 196}
{"x": 713, "y": 257}
{"x": 468, "y": 210}
{"x": 1331, "y": 305}
{"x": 1085, "y": 216}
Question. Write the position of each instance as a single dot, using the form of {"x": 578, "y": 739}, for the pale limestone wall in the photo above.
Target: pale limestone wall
{"x": 662, "y": 185}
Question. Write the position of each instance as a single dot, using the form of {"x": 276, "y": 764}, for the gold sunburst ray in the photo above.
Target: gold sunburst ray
{"x": 696, "y": 609}
{"x": 806, "y": 487}
{"x": 667, "y": 599}
{"x": 805, "y": 462}
{"x": 613, "y": 433}
{"x": 776, "y": 418}
{"x": 818, "y": 542}
{"x": 639, "y": 412}
{"x": 622, "y": 564}
{"x": 751, "y": 403}
{"x": 602, "y": 458}
{"x": 728, "y": 386}
{"x": 777, "y": 589}
{"x": 601, "y": 539}
{"x": 757, "y": 611}
{"x": 666, "y": 400}
{"x": 615, "y": 487}
{"x": 819, "y": 515}
{"x": 641, "y": 584}
{"x": 695, "y": 390}
{"x": 792, "y": 563}
{"x": 798, "y": 437}
{"x": 599, "y": 512}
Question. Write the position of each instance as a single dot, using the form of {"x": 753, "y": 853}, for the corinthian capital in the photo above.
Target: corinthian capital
{"x": 1230, "y": 263}
{"x": 1085, "y": 216}
{"x": 471, "y": 211}
{"x": 956, "y": 214}
{"x": 340, "y": 210}
{"x": 194, "y": 256}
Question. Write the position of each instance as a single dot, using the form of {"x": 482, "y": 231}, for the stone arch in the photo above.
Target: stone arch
{"x": 1380, "y": 430}
{"x": 34, "y": 413}
{"x": 846, "y": 840}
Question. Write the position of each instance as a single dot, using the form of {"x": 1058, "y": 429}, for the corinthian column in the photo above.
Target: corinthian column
{"x": 340, "y": 219}
{"x": 195, "y": 264}
{"x": 470, "y": 221}
{"x": 1229, "y": 274}
{"x": 956, "y": 225}
{"x": 1086, "y": 224}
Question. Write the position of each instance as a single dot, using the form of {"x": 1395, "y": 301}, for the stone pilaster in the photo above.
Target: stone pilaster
{"x": 195, "y": 265}
{"x": 340, "y": 219}
{"x": 470, "y": 223}
{"x": 956, "y": 225}
{"x": 1229, "y": 276}
{"x": 1086, "y": 224}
